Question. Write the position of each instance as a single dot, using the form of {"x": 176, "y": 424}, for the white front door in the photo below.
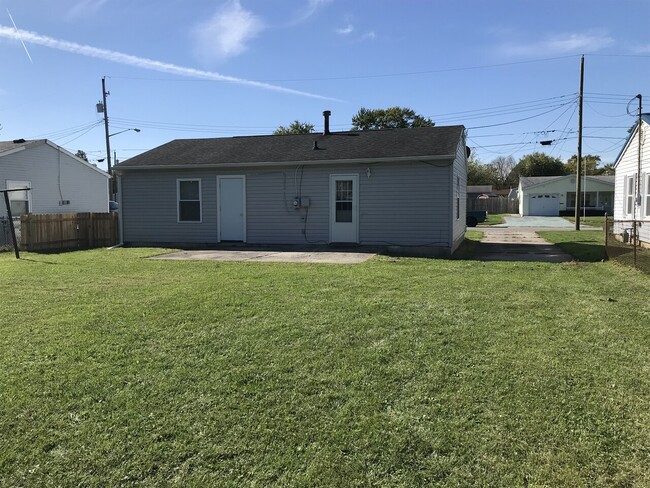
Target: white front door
{"x": 231, "y": 201}
{"x": 344, "y": 208}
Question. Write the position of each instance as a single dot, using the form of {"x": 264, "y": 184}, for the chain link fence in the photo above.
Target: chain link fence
{"x": 628, "y": 242}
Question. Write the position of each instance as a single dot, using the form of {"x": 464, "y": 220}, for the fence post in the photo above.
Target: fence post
{"x": 606, "y": 234}
{"x": 636, "y": 240}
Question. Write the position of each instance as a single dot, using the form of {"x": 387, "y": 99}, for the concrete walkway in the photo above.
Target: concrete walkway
{"x": 517, "y": 244}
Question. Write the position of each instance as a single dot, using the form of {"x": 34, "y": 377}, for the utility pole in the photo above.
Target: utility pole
{"x": 579, "y": 162}
{"x": 108, "y": 142}
{"x": 637, "y": 200}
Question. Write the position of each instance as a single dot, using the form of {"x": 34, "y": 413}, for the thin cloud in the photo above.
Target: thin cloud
{"x": 144, "y": 63}
{"x": 561, "y": 44}
{"x": 84, "y": 7}
{"x": 310, "y": 9}
{"x": 227, "y": 33}
{"x": 369, "y": 35}
{"x": 344, "y": 31}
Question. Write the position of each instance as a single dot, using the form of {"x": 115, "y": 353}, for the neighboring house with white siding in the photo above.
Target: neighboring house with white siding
{"x": 403, "y": 187}
{"x": 632, "y": 197}
{"x": 58, "y": 181}
{"x": 553, "y": 195}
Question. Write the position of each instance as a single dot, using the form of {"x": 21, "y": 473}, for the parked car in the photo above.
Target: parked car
{"x": 473, "y": 217}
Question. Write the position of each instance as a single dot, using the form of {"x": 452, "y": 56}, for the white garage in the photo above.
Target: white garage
{"x": 544, "y": 204}
{"x": 555, "y": 195}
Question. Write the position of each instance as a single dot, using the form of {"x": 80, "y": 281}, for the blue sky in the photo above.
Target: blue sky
{"x": 506, "y": 69}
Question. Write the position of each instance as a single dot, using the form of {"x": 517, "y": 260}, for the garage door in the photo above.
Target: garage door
{"x": 544, "y": 204}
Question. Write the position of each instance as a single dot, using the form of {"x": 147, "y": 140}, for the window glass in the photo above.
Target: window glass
{"x": 18, "y": 200}
{"x": 189, "y": 190}
{"x": 189, "y": 200}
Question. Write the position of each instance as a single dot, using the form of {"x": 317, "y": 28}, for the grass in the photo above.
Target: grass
{"x": 584, "y": 245}
{"x": 595, "y": 221}
{"x": 116, "y": 370}
{"x": 494, "y": 219}
{"x": 468, "y": 248}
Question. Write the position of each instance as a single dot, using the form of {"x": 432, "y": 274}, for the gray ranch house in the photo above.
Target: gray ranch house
{"x": 399, "y": 187}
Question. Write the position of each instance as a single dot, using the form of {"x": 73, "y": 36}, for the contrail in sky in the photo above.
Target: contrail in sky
{"x": 145, "y": 63}
{"x": 19, "y": 38}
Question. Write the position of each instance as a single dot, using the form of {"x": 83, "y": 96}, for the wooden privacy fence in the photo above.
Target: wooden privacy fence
{"x": 59, "y": 232}
{"x": 500, "y": 205}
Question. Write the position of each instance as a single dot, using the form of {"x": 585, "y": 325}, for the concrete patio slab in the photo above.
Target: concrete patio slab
{"x": 271, "y": 256}
{"x": 536, "y": 221}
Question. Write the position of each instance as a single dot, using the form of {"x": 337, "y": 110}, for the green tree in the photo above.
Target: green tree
{"x": 81, "y": 154}
{"x": 607, "y": 170}
{"x": 390, "y": 118}
{"x": 536, "y": 164}
{"x": 479, "y": 173}
{"x": 589, "y": 162}
{"x": 296, "y": 127}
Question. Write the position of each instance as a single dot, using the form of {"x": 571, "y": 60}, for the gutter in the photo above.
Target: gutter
{"x": 328, "y": 162}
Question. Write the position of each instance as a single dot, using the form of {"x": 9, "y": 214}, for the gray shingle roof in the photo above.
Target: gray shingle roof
{"x": 395, "y": 143}
{"x": 527, "y": 181}
{"x": 10, "y": 145}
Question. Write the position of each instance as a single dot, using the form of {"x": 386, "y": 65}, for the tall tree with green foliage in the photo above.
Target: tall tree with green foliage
{"x": 589, "y": 164}
{"x": 296, "y": 127}
{"x": 479, "y": 173}
{"x": 536, "y": 164}
{"x": 389, "y": 118}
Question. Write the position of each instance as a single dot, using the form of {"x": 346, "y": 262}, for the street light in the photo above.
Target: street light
{"x": 125, "y": 130}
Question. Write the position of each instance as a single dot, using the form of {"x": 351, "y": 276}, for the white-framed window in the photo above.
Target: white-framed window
{"x": 646, "y": 196}
{"x": 19, "y": 201}
{"x": 630, "y": 190}
{"x": 188, "y": 191}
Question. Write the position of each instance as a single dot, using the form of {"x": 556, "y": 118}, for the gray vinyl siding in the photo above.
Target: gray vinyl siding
{"x": 55, "y": 176}
{"x": 459, "y": 174}
{"x": 401, "y": 204}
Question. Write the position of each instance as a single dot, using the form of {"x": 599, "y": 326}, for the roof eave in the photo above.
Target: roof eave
{"x": 257, "y": 164}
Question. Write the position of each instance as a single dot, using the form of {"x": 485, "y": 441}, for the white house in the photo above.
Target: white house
{"x": 58, "y": 181}
{"x": 550, "y": 195}
{"x": 632, "y": 200}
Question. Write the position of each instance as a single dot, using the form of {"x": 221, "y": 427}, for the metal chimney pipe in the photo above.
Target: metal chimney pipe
{"x": 326, "y": 115}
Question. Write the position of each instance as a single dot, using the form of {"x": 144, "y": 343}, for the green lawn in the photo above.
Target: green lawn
{"x": 590, "y": 221}
{"x": 116, "y": 370}
{"x": 584, "y": 245}
{"x": 494, "y": 219}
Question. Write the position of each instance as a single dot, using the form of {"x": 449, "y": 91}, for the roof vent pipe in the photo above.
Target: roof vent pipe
{"x": 315, "y": 148}
{"x": 326, "y": 115}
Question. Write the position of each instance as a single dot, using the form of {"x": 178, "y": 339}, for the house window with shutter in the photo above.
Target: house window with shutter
{"x": 630, "y": 184}
{"x": 647, "y": 195}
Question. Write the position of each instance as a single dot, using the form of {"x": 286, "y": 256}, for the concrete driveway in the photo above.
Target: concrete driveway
{"x": 536, "y": 221}
{"x": 272, "y": 256}
{"x": 517, "y": 244}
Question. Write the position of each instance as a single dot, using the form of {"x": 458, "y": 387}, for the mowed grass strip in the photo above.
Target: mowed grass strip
{"x": 118, "y": 370}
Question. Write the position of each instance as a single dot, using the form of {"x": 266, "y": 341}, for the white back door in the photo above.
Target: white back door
{"x": 344, "y": 208}
{"x": 231, "y": 211}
